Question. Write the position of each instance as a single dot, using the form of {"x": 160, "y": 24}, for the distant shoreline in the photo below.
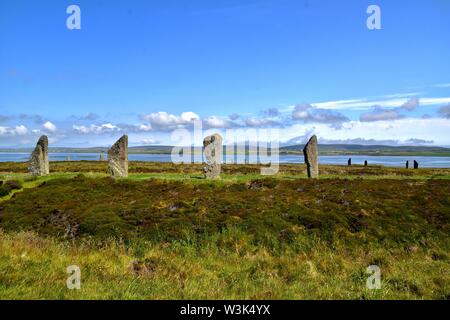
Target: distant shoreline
{"x": 324, "y": 150}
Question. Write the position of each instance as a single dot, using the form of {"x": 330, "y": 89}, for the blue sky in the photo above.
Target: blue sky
{"x": 148, "y": 67}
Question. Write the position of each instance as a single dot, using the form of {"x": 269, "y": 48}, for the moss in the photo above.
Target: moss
{"x": 8, "y": 186}
{"x": 4, "y": 191}
{"x": 269, "y": 209}
{"x": 13, "y": 184}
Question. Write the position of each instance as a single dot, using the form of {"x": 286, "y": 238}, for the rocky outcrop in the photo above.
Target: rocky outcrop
{"x": 39, "y": 165}
{"x": 118, "y": 158}
{"x": 311, "y": 154}
{"x": 212, "y": 151}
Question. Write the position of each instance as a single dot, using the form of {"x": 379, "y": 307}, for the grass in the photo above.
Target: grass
{"x": 165, "y": 233}
{"x": 225, "y": 265}
{"x": 298, "y": 170}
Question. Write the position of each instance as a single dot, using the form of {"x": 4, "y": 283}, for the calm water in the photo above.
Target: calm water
{"x": 390, "y": 161}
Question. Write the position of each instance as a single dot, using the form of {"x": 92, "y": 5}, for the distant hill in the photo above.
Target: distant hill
{"x": 356, "y": 149}
{"x": 324, "y": 149}
{"x": 140, "y": 149}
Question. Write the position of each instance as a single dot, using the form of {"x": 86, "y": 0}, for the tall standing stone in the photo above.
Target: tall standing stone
{"x": 416, "y": 165}
{"x": 349, "y": 162}
{"x": 407, "y": 164}
{"x": 311, "y": 154}
{"x": 212, "y": 150}
{"x": 118, "y": 158}
{"x": 365, "y": 163}
{"x": 102, "y": 157}
{"x": 38, "y": 165}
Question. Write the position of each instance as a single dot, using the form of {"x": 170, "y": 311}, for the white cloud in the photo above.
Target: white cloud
{"x": 308, "y": 113}
{"x": 165, "y": 121}
{"x": 161, "y": 118}
{"x": 49, "y": 126}
{"x": 96, "y": 129}
{"x": 445, "y": 111}
{"x": 81, "y": 129}
{"x": 401, "y": 130}
{"x": 362, "y": 104}
{"x": 145, "y": 127}
{"x": 147, "y": 141}
{"x": 21, "y": 130}
{"x": 380, "y": 114}
{"x": 259, "y": 122}
{"x": 411, "y": 104}
{"x": 434, "y": 101}
{"x": 216, "y": 122}
{"x": 367, "y": 104}
{"x": 187, "y": 117}
{"x": 16, "y": 131}
{"x": 443, "y": 85}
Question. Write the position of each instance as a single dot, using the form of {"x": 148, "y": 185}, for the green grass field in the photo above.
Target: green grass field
{"x": 166, "y": 233}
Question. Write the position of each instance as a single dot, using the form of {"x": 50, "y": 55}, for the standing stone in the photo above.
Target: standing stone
{"x": 69, "y": 158}
{"x": 349, "y": 162}
{"x": 212, "y": 150}
{"x": 39, "y": 158}
{"x": 416, "y": 165}
{"x": 311, "y": 154}
{"x": 118, "y": 158}
{"x": 407, "y": 164}
{"x": 102, "y": 157}
{"x": 365, "y": 163}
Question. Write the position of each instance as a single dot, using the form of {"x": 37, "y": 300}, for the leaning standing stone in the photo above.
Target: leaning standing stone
{"x": 416, "y": 165}
{"x": 118, "y": 158}
{"x": 311, "y": 154}
{"x": 212, "y": 150}
{"x": 39, "y": 158}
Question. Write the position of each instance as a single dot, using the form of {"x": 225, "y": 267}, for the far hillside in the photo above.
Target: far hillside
{"x": 324, "y": 149}
{"x": 374, "y": 150}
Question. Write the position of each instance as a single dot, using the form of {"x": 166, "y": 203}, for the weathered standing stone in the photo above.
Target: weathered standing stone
{"x": 407, "y": 164}
{"x": 69, "y": 158}
{"x": 102, "y": 157}
{"x": 311, "y": 154}
{"x": 365, "y": 163}
{"x": 212, "y": 150}
{"x": 118, "y": 158}
{"x": 416, "y": 165}
{"x": 39, "y": 158}
{"x": 349, "y": 162}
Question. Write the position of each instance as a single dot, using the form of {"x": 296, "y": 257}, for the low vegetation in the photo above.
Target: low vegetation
{"x": 295, "y": 170}
{"x": 8, "y": 186}
{"x": 165, "y": 233}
